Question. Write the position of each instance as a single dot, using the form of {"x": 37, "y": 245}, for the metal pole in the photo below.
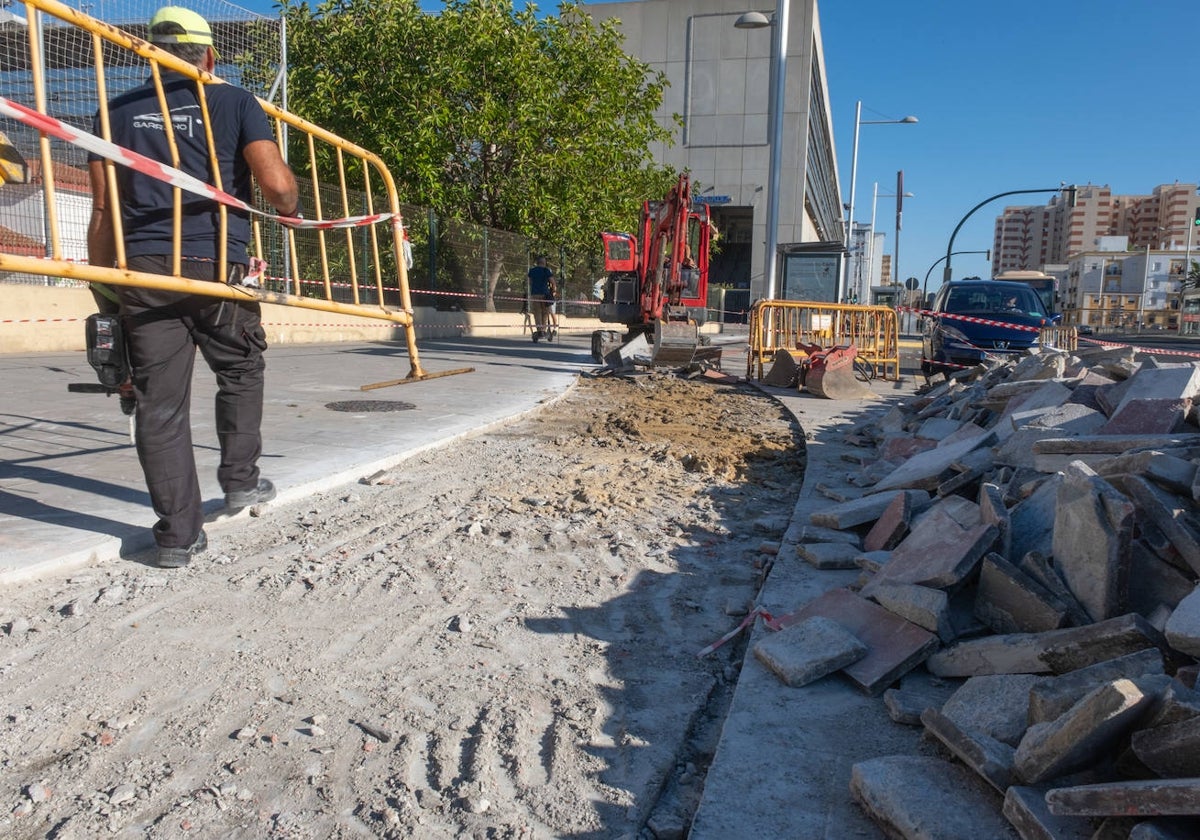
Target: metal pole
{"x": 1145, "y": 286}
{"x": 925, "y": 285}
{"x": 779, "y": 71}
{"x": 871, "y": 257}
{"x": 946, "y": 272}
{"x": 1187, "y": 273}
{"x": 850, "y": 206}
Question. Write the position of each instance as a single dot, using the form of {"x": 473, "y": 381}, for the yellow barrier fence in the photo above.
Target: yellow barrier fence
{"x": 333, "y": 261}
{"x": 790, "y": 325}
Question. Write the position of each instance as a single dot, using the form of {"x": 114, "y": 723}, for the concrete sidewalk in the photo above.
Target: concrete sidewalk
{"x": 782, "y": 766}
{"x": 72, "y": 492}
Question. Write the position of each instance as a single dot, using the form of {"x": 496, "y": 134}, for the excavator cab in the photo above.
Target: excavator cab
{"x": 656, "y": 284}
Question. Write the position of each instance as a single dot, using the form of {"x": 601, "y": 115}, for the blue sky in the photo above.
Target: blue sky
{"x": 1009, "y": 96}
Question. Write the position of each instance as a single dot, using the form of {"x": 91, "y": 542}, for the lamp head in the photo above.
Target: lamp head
{"x": 752, "y": 20}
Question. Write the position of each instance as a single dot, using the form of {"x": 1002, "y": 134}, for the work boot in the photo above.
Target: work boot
{"x": 238, "y": 499}
{"x": 175, "y": 558}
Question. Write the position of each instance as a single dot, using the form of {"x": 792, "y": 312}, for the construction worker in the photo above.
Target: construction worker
{"x": 540, "y": 280}
{"x": 164, "y": 328}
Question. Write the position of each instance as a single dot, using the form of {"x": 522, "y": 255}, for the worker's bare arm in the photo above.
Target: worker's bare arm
{"x": 275, "y": 179}
{"x": 102, "y": 249}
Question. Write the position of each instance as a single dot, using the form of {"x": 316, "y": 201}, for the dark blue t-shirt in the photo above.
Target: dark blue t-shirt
{"x": 539, "y": 281}
{"x": 147, "y": 204}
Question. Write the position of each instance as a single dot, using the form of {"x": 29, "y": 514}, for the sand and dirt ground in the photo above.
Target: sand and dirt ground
{"x": 496, "y": 639}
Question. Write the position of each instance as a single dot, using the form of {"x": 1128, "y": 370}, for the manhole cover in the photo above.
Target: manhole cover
{"x": 370, "y": 405}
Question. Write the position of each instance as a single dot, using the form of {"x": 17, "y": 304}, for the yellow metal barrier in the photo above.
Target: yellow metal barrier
{"x": 1060, "y": 338}
{"x": 317, "y": 268}
{"x": 789, "y": 325}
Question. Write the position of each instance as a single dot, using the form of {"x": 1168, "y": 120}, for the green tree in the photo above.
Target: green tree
{"x": 488, "y": 114}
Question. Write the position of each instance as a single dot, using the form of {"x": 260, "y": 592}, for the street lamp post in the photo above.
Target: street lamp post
{"x": 874, "y": 201}
{"x": 925, "y": 285}
{"x": 947, "y": 274}
{"x": 859, "y": 121}
{"x": 778, "y": 84}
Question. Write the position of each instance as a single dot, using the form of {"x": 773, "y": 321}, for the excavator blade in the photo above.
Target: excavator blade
{"x": 830, "y": 375}
{"x": 675, "y": 343}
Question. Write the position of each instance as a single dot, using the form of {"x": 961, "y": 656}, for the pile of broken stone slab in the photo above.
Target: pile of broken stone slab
{"x": 1029, "y": 545}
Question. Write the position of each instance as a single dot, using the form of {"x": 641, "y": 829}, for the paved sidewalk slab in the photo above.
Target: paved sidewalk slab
{"x": 72, "y": 492}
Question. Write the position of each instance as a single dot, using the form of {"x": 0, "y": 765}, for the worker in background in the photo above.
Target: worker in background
{"x": 164, "y": 329}
{"x": 540, "y": 278}
{"x": 552, "y": 298}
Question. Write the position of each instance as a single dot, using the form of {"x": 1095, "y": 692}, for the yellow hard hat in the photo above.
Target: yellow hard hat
{"x": 195, "y": 28}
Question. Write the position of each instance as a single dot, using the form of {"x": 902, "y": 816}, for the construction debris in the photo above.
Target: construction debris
{"x": 1031, "y": 528}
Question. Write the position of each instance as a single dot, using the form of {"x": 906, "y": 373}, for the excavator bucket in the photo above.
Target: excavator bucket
{"x": 830, "y": 374}
{"x": 675, "y": 343}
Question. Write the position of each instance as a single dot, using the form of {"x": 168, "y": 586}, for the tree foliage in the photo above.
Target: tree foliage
{"x": 487, "y": 114}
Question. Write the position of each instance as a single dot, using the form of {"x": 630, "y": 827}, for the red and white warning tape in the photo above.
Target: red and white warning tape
{"x": 768, "y": 620}
{"x": 160, "y": 171}
{"x": 970, "y": 319}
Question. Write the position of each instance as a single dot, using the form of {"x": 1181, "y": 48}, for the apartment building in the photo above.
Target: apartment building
{"x": 1029, "y": 237}
{"x": 1116, "y": 287}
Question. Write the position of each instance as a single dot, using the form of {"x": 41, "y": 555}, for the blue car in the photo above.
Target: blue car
{"x": 969, "y": 324}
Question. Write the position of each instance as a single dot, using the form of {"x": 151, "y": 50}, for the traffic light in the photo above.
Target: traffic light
{"x": 1196, "y": 219}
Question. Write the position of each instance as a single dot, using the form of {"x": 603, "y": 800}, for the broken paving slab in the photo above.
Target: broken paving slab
{"x": 895, "y": 646}
{"x": 1157, "y": 381}
{"x": 1183, "y": 627}
{"x": 995, "y": 705}
{"x": 1168, "y": 471}
{"x": 993, "y": 511}
{"x": 990, "y": 759}
{"x": 805, "y": 652}
{"x": 1085, "y": 733}
{"x": 927, "y": 798}
{"x": 1070, "y": 419}
{"x": 1009, "y": 601}
{"x": 1172, "y": 516}
{"x": 1178, "y": 702}
{"x": 1166, "y": 828}
{"x": 1032, "y": 521}
{"x": 1144, "y": 798}
{"x": 1050, "y": 697}
{"x": 1055, "y": 651}
{"x": 938, "y": 552}
{"x": 1093, "y": 527}
{"x": 1035, "y": 565}
{"x": 832, "y": 555}
{"x": 923, "y": 471}
{"x": 938, "y": 428}
{"x": 1172, "y": 751}
{"x": 1155, "y": 584}
{"x": 1110, "y": 444}
{"x": 1026, "y": 809}
{"x": 1048, "y": 394}
{"x": 893, "y": 524}
{"x": 859, "y": 511}
{"x": 1162, "y": 417}
{"x": 918, "y": 691}
{"x": 1078, "y": 647}
{"x": 1015, "y": 653}
{"x": 922, "y": 605}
